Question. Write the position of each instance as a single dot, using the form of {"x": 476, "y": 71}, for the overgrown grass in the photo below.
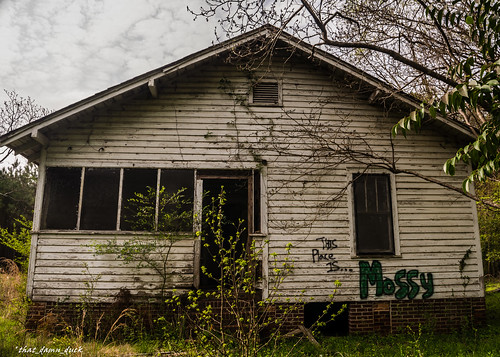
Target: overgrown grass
{"x": 492, "y": 285}
{"x": 12, "y": 308}
{"x": 484, "y": 341}
{"x": 15, "y": 340}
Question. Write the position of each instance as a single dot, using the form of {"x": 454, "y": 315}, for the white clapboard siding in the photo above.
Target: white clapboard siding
{"x": 68, "y": 268}
{"x": 199, "y": 121}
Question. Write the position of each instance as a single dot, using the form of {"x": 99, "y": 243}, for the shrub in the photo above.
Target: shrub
{"x": 18, "y": 239}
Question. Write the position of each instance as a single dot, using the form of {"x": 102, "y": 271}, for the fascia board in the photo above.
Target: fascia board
{"x": 212, "y": 52}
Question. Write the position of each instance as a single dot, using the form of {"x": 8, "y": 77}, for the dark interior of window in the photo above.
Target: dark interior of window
{"x": 100, "y": 199}
{"x": 143, "y": 182}
{"x": 61, "y": 197}
{"x": 178, "y": 191}
{"x": 373, "y": 214}
{"x": 175, "y": 180}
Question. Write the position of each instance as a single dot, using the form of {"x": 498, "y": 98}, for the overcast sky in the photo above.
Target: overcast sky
{"x": 60, "y": 51}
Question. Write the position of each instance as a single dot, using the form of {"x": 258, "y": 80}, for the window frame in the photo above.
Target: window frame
{"x": 351, "y": 172}
{"x": 249, "y": 173}
{"x": 86, "y": 210}
{"x": 119, "y": 211}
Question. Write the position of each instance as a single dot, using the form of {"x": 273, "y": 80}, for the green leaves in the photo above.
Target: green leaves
{"x": 18, "y": 239}
{"x": 476, "y": 97}
{"x": 411, "y": 122}
{"x": 462, "y": 90}
{"x": 444, "y": 17}
{"x": 449, "y": 166}
{"x": 483, "y": 154}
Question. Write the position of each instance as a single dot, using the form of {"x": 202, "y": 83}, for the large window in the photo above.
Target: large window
{"x": 373, "y": 214}
{"x": 117, "y": 199}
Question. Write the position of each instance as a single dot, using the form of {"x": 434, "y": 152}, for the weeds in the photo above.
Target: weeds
{"x": 164, "y": 228}
{"x": 14, "y": 338}
{"x": 13, "y": 306}
{"x": 230, "y": 317}
{"x": 69, "y": 340}
{"x": 19, "y": 240}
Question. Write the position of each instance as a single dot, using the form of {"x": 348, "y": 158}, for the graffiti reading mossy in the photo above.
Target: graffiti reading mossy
{"x": 404, "y": 285}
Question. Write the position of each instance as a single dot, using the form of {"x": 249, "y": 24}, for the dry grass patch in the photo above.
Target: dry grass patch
{"x": 12, "y": 298}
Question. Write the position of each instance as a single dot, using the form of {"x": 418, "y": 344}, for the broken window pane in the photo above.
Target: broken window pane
{"x": 100, "y": 199}
{"x": 373, "y": 214}
{"x": 138, "y": 199}
{"x": 61, "y": 197}
{"x": 176, "y": 201}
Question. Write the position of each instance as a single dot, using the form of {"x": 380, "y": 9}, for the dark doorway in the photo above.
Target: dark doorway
{"x": 315, "y": 311}
{"x": 235, "y": 210}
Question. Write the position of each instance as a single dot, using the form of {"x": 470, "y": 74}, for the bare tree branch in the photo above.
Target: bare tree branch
{"x": 451, "y": 51}
{"x": 397, "y": 56}
{"x": 18, "y": 111}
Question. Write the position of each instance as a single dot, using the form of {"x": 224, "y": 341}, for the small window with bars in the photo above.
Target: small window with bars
{"x": 266, "y": 92}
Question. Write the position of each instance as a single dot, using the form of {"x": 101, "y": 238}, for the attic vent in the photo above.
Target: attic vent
{"x": 266, "y": 93}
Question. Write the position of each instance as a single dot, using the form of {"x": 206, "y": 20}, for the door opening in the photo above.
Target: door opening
{"x": 235, "y": 210}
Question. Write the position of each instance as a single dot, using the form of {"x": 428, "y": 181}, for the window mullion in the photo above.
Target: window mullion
{"x": 388, "y": 204}
{"x": 157, "y": 202}
{"x": 250, "y": 206}
{"x": 120, "y": 190}
{"x": 82, "y": 181}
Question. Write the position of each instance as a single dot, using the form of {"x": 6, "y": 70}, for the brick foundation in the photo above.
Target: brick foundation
{"x": 58, "y": 316}
{"x": 384, "y": 317}
{"x": 438, "y": 315}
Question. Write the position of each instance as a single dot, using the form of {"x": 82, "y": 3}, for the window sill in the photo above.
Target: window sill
{"x": 376, "y": 256}
{"x": 258, "y": 235}
{"x": 278, "y": 105}
{"x": 103, "y": 232}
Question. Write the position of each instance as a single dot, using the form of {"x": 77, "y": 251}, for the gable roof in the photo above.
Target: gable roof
{"x": 29, "y": 139}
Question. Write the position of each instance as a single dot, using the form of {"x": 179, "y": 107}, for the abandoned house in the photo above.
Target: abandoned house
{"x": 301, "y": 142}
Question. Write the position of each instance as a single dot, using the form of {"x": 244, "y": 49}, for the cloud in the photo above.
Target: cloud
{"x": 60, "y": 51}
